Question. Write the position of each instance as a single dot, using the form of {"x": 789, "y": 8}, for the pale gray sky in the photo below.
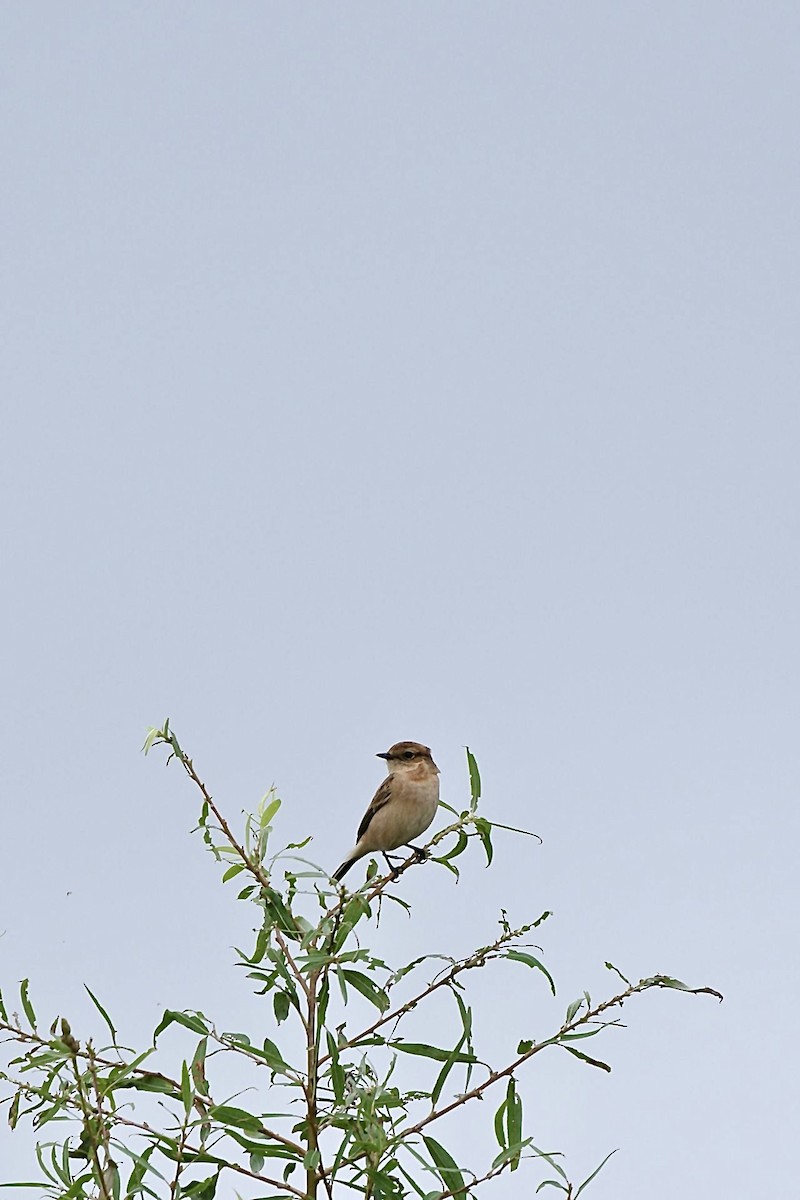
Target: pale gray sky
{"x": 416, "y": 371}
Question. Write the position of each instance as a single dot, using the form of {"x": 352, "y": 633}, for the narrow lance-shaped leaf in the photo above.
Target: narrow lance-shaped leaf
{"x": 280, "y": 1005}
{"x": 596, "y": 1171}
{"x": 450, "y": 1062}
{"x": 26, "y": 1004}
{"x": 474, "y": 779}
{"x": 484, "y": 830}
{"x": 550, "y": 1157}
{"x": 513, "y": 1120}
{"x": 438, "y": 1054}
{"x": 355, "y": 909}
{"x": 186, "y": 1087}
{"x": 367, "y": 988}
{"x": 198, "y": 1067}
{"x": 500, "y": 1123}
{"x": 269, "y": 810}
{"x": 226, "y": 1114}
{"x": 151, "y": 1081}
{"x": 152, "y": 735}
{"x": 273, "y": 1055}
{"x": 335, "y": 1069}
{"x": 666, "y": 981}
{"x": 189, "y": 1021}
{"x": 531, "y": 961}
{"x": 201, "y": 1189}
{"x": 462, "y": 842}
{"x": 140, "y": 1169}
{"x": 446, "y": 1167}
{"x": 466, "y": 1025}
{"x": 103, "y": 1014}
{"x": 322, "y": 1003}
{"x": 610, "y": 967}
{"x": 593, "y": 1062}
{"x": 275, "y": 908}
{"x": 572, "y": 1010}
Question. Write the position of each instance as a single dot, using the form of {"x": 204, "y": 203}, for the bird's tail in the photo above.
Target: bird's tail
{"x": 341, "y": 871}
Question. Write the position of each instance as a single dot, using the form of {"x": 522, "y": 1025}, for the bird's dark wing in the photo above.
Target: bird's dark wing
{"x": 381, "y": 797}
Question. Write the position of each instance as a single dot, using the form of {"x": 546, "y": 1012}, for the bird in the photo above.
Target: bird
{"x": 403, "y": 806}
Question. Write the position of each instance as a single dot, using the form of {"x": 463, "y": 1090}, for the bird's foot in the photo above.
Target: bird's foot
{"x": 421, "y": 853}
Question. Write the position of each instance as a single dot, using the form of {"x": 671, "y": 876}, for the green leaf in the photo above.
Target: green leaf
{"x": 322, "y": 1002}
{"x": 232, "y": 872}
{"x": 616, "y": 970}
{"x": 355, "y": 909}
{"x": 530, "y": 961}
{"x": 280, "y": 1004}
{"x": 462, "y": 842}
{"x": 103, "y": 1014}
{"x": 3, "y": 1013}
{"x": 257, "y": 1163}
{"x": 450, "y": 1062}
{"x": 434, "y": 1052}
{"x": 226, "y": 1114}
{"x": 572, "y": 1009}
{"x": 198, "y": 1067}
{"x": 152, "y": 1082}
{"x": 273, "y": 1055}
{"x": 201, "y": 1189}
{"x": 446, "y": 1167}
{"x": 452, "y": 868}
{"x": 152, "y": 735}
{"x": 500, "y": 1124}
{"x": 275, "y": 908}
{"x": 484, "y": 829}
{"x": 368, "y": 989}
{"x": 551, "y": 1159}
{"x": 186, "y": 1088}
{"x": 140, "y": 1169}
{"x": 335, "y": 1070}
{"x": 593, "y": 1062}
{"x": 474, "y": 779}
{"x": 26, "y": 1004}
{"x": 13, "y": 1112}
{"x": 266, "y": 815}
{"x": 188, "y": 1020}
{"x": 268, "y": 1149}
{"x": 513, "y": 1120}
{"x": 597, "y": 1171}
{"x": 666, "y": 981}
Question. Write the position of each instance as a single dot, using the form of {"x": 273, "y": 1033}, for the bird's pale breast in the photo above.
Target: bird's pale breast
{"x": 408, "y": 814}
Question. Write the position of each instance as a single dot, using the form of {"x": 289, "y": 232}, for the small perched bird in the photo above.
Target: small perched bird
{"x": 403, "y": 806}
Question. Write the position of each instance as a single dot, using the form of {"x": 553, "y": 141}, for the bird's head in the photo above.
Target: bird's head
{"x": 403, "y": 756}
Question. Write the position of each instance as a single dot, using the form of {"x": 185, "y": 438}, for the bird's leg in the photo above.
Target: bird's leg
{"x": 391, "y": 865}
{"x": 420, "y": 851}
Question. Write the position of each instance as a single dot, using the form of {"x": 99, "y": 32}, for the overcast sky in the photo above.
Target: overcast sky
{"x": 383, "y": 371}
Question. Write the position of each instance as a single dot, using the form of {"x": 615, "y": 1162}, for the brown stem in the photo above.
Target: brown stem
{"x": 224, "y": 1166}
{"x": 478, "y": 959}
{"x": 642, "y": 986}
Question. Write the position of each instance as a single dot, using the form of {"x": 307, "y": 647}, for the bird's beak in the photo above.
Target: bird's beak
{"x": 384, "y": 754}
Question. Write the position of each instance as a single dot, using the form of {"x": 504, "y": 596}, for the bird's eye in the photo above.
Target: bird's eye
{"x": 408, "y": 754}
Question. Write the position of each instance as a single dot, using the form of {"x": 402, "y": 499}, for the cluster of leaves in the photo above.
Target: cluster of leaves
{"x": 344, "y": 1115}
